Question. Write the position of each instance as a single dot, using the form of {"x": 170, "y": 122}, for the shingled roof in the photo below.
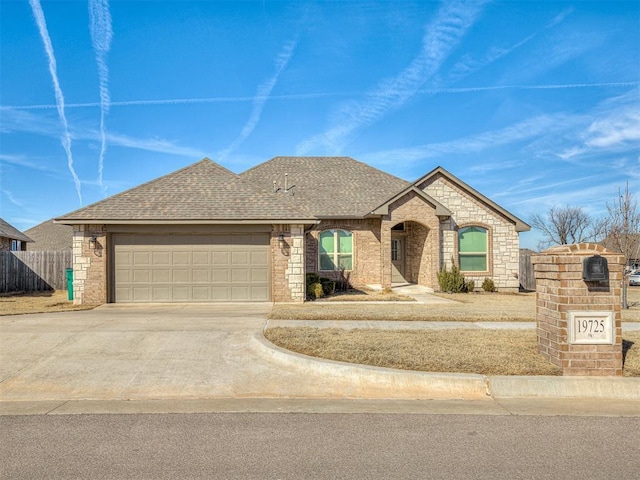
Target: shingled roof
{"x": 204, "y": 191}
{"x": 49, "y": 236}
{"x": 9, "y": 231}
{"x": 329, "y": 186}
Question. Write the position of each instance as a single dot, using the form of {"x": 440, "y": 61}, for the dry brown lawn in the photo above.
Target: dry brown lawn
{"x": 487, "y": 352}
{"x": 38, "y": 302}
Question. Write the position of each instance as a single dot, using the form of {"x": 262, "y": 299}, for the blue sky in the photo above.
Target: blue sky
{"x": 534, "y": 104}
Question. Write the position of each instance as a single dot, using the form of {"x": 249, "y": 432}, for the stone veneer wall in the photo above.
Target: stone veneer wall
{"x": 504, "y": 243}
{"x": 288, "y": 264}
{"x": 561, "y": 289}
{"x": 89, "y": 265}
{"x": 366, "y": 249}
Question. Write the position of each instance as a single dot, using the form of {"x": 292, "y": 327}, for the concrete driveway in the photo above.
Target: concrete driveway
{"x": 184, "y": 351}
{"x": 164, "y": 352}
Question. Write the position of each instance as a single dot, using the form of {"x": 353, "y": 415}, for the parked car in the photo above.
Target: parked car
{"x": 634, "y": 278}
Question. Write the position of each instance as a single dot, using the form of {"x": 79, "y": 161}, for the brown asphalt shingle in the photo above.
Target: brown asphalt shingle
{"x": 9, "y": 231}
{"x": 330, "y": 186}
{"x": 202, "y": 191}
{"x": 324, "y": 187}
{"x": 49, "y": 236}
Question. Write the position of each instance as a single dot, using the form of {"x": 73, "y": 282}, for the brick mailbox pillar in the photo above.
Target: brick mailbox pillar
{"x": 578, "y": 302}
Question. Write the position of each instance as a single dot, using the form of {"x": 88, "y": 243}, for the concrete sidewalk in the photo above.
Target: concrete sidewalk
{"x": 417, "y": 325}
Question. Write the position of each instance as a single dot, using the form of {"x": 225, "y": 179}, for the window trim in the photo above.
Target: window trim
{"x": 486, "y": 253}
{"x": 336, "y": 246}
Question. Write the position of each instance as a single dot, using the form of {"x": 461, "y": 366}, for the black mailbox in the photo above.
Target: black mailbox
{"x": 595, "y": 269}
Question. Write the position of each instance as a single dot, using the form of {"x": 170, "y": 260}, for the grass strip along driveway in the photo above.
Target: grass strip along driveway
{"x": 487, "y": 352}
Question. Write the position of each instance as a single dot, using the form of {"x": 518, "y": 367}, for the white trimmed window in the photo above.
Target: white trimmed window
{"x": 335, "y": 250}
{"x": 472, "y": 249}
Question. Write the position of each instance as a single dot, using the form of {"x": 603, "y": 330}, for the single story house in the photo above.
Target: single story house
{"x": 50, "y": 237}
{"x": 12, "y": 239}
{"x": 206, "y": 234}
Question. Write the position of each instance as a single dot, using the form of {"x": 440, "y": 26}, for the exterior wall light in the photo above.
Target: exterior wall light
{"x": 93, "y": 242}
{"x": 281, "y": 240}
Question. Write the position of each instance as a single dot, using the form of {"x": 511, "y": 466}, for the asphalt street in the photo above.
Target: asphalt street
{"x": 318, "y": 446}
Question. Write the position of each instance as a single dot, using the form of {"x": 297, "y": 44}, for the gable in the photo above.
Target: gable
{"x": 445, "y": 187}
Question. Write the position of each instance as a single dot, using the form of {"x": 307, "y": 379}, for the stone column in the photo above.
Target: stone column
{"x": 295, "y": 271}
{"x": 579, "y": 325}
{"x": 89, "y": 264}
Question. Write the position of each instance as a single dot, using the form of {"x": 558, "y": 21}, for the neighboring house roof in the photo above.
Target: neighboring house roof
{"x": 49, "y": 236}
{"x": 520, "y": 225}
{"x": 630, "y": 241}
{"x": 316, "y": 188}
{"x": 9, "y": 231}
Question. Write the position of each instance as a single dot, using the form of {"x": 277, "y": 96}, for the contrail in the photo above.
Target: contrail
{"x": 66, "y": 137}
{"x": 261, "y": 97}
{"x": 101, "y": 35}
{"x": 310, "y": 96}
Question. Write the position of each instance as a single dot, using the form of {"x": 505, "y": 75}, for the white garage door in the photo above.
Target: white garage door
{"x": 191, "y": 268}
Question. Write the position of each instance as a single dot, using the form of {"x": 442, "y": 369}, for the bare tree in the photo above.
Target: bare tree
{"x": 565, "y": 225}
{"x": 622, "y": 225}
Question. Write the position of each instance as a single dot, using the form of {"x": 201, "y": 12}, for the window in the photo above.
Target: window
{"x": 16, "y": 245}
{"x": 472, "y": 249}
{"x": 336, "y": 250}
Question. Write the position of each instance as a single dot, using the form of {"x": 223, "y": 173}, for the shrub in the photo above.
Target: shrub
{"x": 312, "y": 278}
{"x": 328, "y": 286}
{"x": 470, "y": 285}
{"x": 452, "y": 281}
{"x": 488, "y": 285}
{"x": 314, "y": 290}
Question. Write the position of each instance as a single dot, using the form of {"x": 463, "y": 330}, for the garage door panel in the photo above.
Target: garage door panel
{"x": 240, "y": 258}
{"x": 220, "y": 293}
{"x": 161, "y": 275}
{"x": 141, "y": 258}
{"x": 141, "y": 275}
{"x": 220, "y": 258}
{"x": 180, "y": 258}
{"x": 200, "y": 275}
{"x": 260, "y": 294}
{"x": 201, "y": 258}
{"x": 259, "y": 258}
{"x": 161, "y": 258}
{"x": 259, "y": 275}
{"x": 141, "y": 294}
{"x": 181, "y": 294}
{"x": 221, "y": 275}
{"x": 239, "y": 275}
{"x": 201, "y": 294}
{"x": 191, "y": 268}
{"x": 180, "y": 275}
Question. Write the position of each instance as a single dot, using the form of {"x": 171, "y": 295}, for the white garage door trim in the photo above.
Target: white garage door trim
{"x": 220, "y": 267}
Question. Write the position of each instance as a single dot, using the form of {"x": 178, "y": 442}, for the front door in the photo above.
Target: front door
{"x": 397, "y": 260}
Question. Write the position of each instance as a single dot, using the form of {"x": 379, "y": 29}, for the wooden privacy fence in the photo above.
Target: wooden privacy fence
{"x": 527, "y": 277}
{"x": 34, "y": 271}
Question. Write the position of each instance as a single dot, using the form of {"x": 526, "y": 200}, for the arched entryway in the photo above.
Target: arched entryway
{"x": 409, "y": 253}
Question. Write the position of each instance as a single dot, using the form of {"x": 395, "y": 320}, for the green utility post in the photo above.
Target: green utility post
{"x": 70, "y": 283}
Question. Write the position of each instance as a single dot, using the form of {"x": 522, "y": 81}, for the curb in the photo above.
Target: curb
{"x": 363, "y": 381}
{"x": 618, "y": 388}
